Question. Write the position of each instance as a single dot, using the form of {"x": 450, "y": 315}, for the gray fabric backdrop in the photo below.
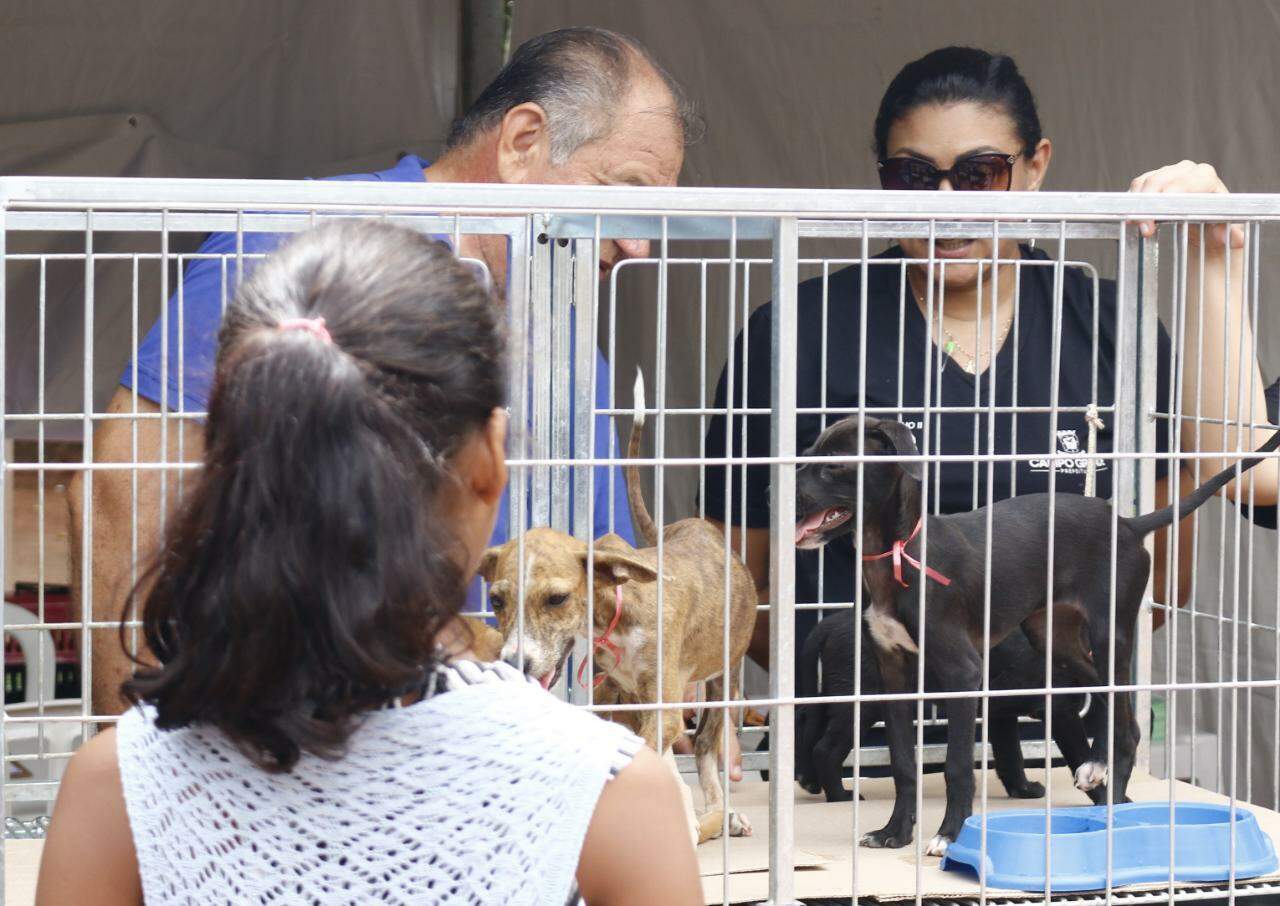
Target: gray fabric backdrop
{"x": 283, "y": 89}
{"x": 790, "y": 91}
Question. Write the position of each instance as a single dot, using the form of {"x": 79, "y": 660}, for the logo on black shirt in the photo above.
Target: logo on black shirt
{"x": 1068, "y": 443}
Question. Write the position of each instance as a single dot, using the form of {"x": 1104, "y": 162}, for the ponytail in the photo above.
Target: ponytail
{"x": 306, "y": 577}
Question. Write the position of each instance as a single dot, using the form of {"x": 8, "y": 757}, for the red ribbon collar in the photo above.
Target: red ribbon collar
{"x": 899, "y": 553}
{"x": 605, "y": 642}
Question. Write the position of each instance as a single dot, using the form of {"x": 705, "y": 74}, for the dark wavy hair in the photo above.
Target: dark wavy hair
{"x": 305, "y": 577}
{"x": 957, "y": 74}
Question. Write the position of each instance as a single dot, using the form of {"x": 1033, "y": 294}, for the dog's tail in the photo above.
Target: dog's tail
{"x": 640, "y": 517}
{"x": 1143, "y": 525}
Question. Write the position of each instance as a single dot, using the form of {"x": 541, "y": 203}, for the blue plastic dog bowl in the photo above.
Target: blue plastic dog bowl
{"x": 1139, "y": 854}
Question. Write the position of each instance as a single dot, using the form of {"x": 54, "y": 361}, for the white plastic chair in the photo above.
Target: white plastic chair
{"x": 33, "y": 738}
{"x": 37, "y": 651}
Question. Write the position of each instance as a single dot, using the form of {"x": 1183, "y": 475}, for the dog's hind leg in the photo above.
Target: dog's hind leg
{"x": 1080, "y": 655}
{"x": 1127, "y": 733}
{"x": 1093, "y": 776}
{"x": 832, "y": 749}
{"x": 1072, "y": 647}
{"x": 1071, "y": 732}
{"x": 708, "y": 744}
{"x": 811, "y": 725}
{"x": 1117, "y": 706}
{"x": 1010, "y": 767}
{"x": 811, "y": 719}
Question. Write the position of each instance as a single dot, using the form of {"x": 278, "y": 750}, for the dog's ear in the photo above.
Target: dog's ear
{"x": 904, "y": 444}
{"x": 489, "y": 563}
{"x": 616, "y": 567}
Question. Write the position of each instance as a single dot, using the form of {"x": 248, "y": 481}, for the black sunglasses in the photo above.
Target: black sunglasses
{"x": 980, "y": 173}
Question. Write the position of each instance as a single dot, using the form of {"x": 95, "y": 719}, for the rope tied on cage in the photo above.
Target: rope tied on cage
{"x": 1096, "y": 424}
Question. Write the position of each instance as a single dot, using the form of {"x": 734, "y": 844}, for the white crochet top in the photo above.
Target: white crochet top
{"x": 479, "y": 794}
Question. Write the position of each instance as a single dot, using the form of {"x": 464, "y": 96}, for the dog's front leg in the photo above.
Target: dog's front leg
{"x": 661, "y": 727}
{"x": 610, "y": 693}
{"x": 960, "y": 669}
{"x": 902, "y": 754}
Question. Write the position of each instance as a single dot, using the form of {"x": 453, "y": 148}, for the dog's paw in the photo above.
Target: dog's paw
{"x": 1028, "y": 790}
{"x": 1099, "y": 796}
{"x": 1090, "y": 775}
{"x": 886, "y": 838}
{"x": 809, "y": 785}
{"x": 739, "y": 826}
{"x": 937, "y": 846}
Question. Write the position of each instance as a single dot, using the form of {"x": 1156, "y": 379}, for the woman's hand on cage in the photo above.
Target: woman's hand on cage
{"x": 1190, "y": 178}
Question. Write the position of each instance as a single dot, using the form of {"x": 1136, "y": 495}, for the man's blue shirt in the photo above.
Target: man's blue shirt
{"x": 179, "y": 373}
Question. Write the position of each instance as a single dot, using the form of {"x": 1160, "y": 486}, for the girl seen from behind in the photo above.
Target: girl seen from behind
{"x": 309, "y": 733}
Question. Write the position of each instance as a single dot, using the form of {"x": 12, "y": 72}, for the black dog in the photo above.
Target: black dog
{"x": 824, "y": 732}
{"x": 892, "y": 522}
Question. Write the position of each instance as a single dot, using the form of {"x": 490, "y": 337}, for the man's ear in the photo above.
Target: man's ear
{"x": 524, "y": 145}
{"x": 904, "y": 444}
{"x": 616, "y": 567}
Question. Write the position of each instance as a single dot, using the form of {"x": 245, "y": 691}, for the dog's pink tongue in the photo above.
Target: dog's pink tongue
{"x": 545, "y": 680}
{"x": 808, "y": 524}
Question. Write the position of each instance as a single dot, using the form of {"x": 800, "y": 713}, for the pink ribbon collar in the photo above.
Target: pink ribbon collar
{"x": 899, "y": 553}
{"x": 605, "y": 642}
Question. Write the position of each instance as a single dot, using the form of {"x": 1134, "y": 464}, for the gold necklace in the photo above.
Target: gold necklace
{"x": 952, "y": 344}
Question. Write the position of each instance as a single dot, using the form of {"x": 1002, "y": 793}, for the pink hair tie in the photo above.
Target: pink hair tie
{"x": 314, "y": 326}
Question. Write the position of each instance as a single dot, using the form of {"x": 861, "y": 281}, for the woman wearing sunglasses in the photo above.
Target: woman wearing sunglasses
{"x": 961, "y": 119}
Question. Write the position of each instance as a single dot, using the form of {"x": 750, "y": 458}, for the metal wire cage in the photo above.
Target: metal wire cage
{"x": 89, "y": 265}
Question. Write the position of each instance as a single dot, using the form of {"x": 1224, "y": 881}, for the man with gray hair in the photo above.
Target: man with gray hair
{"x": 578, "y": 106}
